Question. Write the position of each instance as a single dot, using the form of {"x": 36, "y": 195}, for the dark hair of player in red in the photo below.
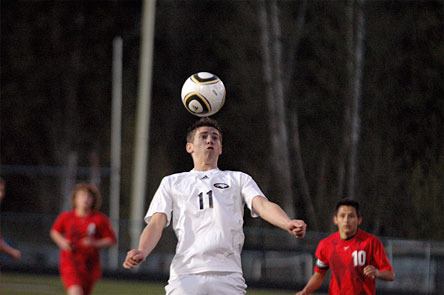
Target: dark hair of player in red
{"x": 347, "y": 202}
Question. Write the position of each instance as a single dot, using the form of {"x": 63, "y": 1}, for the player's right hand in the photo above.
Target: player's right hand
{"x": 133, "y": 258}
{"x": 65, "y": 244}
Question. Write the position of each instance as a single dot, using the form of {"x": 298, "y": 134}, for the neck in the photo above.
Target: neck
{"x": 204, "y": 164}
{"x": 345, "y": 236}
{"x": 82, "y": 211}
{"x": 204, "y": 167}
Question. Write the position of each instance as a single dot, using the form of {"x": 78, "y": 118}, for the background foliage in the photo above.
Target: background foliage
{"x": 56, "y": 100}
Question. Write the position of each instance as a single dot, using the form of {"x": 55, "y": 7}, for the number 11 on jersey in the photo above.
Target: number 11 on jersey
{"x": 201, "y": 199}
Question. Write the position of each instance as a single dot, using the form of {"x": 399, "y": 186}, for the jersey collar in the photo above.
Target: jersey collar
{"x": 206, "y": 173}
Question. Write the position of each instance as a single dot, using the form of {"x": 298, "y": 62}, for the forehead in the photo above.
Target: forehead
{"x": 207, "y": 129}
{"x": 344, "y": 209}
{"x": 83, "y": 192}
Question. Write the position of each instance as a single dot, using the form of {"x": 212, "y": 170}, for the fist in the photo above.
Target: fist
{"x": 133, "y": 258}
{"x": 297, "y": 228}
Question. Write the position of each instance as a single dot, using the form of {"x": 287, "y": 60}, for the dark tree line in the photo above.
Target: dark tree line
{"x": 56, "y": 100}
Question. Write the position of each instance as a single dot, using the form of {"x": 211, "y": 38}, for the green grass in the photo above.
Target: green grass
{"x": 26, "y": 284}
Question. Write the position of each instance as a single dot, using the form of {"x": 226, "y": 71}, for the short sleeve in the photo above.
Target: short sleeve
{"x": 161, "y": 202}
{"x": 106, "y": 230}
{"x": 381, "y": 261}
{"x": 59, "y": 223}
{"x": 322, "y": 263}
{"x": 249, "y": 190}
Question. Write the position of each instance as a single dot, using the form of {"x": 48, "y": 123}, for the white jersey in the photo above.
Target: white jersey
{"x": 207, "y": 208}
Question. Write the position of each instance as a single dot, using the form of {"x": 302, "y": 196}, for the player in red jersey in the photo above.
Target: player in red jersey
{"x": 80, "y": 234}
{"x": 356, "y": 258}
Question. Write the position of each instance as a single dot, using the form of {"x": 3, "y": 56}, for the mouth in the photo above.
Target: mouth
{"x": 210, "y": 148}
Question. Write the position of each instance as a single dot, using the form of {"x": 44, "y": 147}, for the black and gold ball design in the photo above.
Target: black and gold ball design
{"x": 203, "y": 94}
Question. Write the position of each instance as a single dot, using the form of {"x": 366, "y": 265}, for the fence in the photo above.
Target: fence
{"x": 271, "y": 258}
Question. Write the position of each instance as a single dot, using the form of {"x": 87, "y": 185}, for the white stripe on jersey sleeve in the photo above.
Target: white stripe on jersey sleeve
{"x": 321, "y": 264}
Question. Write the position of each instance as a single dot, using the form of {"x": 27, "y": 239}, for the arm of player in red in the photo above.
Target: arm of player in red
{"x": 313, "y": 284}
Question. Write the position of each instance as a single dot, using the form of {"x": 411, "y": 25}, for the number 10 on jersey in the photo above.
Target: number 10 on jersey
{"x": 359, "y": 257}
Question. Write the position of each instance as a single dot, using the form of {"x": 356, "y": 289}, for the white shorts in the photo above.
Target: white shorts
{"x": 208, "y": 283}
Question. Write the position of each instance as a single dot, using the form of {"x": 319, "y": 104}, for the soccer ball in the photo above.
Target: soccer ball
{"x": 203, "y": 94}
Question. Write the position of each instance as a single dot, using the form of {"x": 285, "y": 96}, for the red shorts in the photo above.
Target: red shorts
{"x": 79, "y": 269}
{"x": 84, "y": 280}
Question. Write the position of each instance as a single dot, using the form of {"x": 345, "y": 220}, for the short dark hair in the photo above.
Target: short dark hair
{"x": 203, "y": 122}
{"x": 348, "y": 202}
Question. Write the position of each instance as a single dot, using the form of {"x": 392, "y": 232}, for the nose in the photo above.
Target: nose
{"x": 349, "y": 219}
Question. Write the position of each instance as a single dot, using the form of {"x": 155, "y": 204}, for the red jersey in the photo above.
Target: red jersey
{"x": 347, "y": 260}
{"x": 82, "y": 261}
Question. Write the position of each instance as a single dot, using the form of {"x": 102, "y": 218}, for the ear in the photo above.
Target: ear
{"x": 189, "y": 147}
{"x": 335, "y": 220}
{"x": 359, "y": 220}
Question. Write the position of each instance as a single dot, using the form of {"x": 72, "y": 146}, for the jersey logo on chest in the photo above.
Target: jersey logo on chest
{"x": 221, "y": 185}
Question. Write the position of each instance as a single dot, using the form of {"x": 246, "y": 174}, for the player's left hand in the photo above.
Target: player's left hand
{"x": 87, "y": 242}
{"x": 16, "y": 254}
{"x": 371, "y": 271}
{"x": 133, "y": 258}
{"x": 297, "y": 228}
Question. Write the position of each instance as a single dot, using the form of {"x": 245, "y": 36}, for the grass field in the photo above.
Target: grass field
{"x": 26, "y": 284}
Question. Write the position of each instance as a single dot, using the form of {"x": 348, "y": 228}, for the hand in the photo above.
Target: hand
{"x": 133, "y": 258}
{"x": 302, "y": 292}
{"x": 65, "y": 244}
{"x": 88, "y": 242}
{"x": 16, "y": 254}
{"x": 371, "y": 271}
{"x": 297, "y": 228}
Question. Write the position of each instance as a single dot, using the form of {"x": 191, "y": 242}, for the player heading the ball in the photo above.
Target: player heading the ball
{"x": 205, "y": 207}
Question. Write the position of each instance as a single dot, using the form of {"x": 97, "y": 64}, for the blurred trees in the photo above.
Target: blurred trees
{"x": 354, "y": 39}
{"x": 56, "y": 99}
{"x": 282, "y": 122}
{"x": 274, "y": 97}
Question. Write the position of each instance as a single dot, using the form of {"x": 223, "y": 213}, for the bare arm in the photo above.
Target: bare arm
{"x": 14, "y": 253}
{"x": 104, "y": 243}
{"x": 99, "y": 243}
{"x": 385, "y": 275}
{"x": 313, "y": 284}
{"x": 273, "y": 213}
{"x": 60, "y": 240}
{"x": 148, "y": 240}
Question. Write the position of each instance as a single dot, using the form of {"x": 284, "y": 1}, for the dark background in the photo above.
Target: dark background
{"x": 56, "y": 59}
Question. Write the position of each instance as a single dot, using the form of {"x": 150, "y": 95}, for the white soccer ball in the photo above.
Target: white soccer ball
{"x": 203, "y": 94}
